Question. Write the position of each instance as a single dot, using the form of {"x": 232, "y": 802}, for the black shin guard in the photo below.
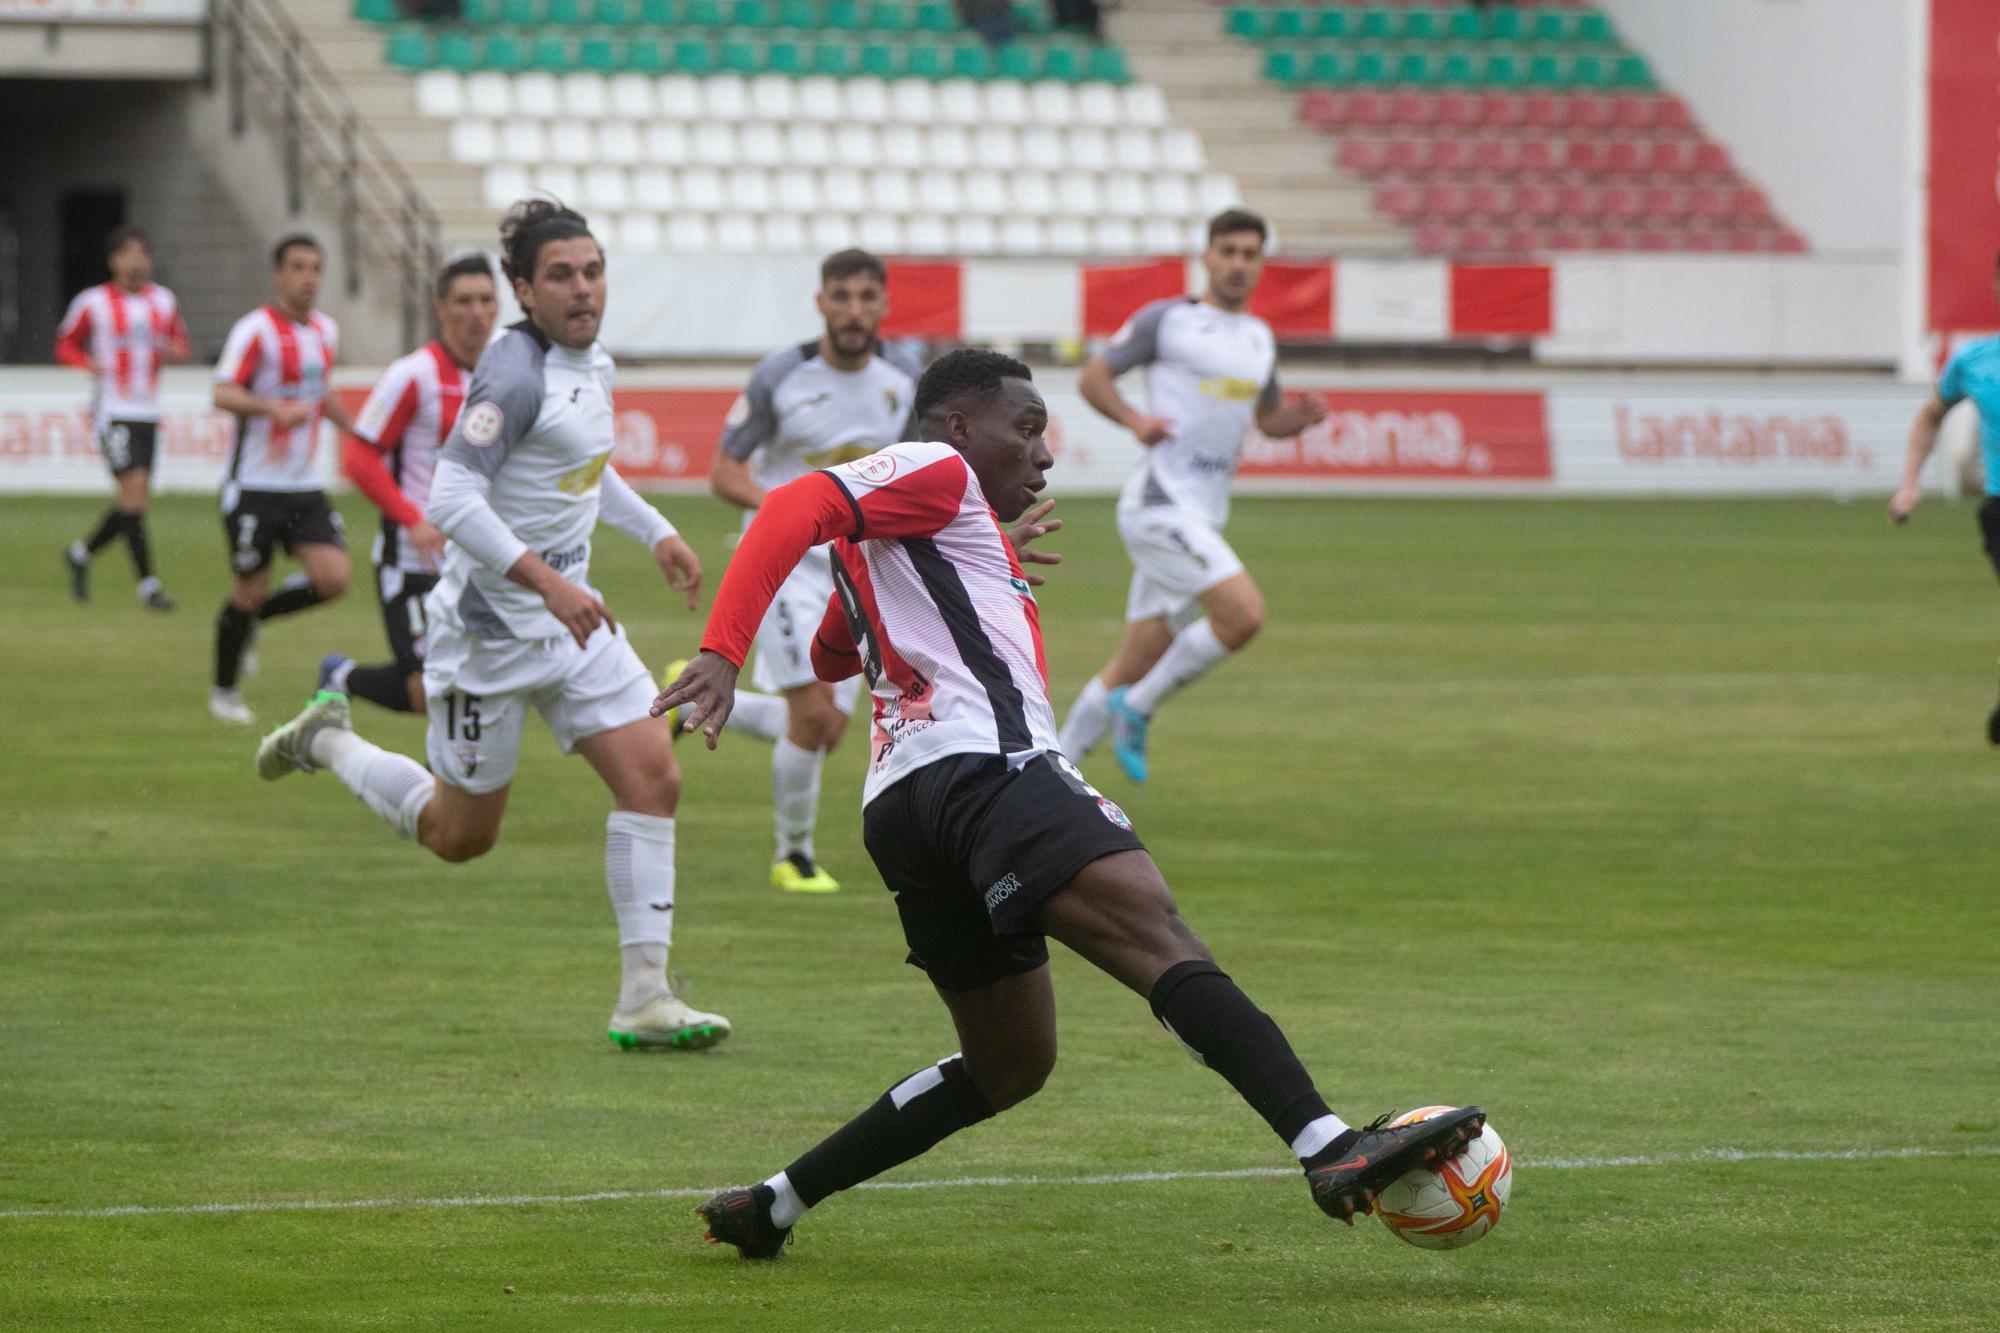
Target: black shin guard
{"x": 108, "y": 530}
{"x": 386, "y": 686}
{"x": 908, "y": 1120}
{"x": 142, "y": 550}
{"x": 233, "y": 629}
{"x": 295, "y": 594}
{"x": 1215, "y": 1021}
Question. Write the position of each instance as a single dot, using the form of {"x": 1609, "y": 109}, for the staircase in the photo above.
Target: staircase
{"x": 1250, "y": 129}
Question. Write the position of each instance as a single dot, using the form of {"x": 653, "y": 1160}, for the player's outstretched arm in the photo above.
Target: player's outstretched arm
{"x": 1923, "y": 439}
{"x": 1098, "y": 388}
{"x": 1285, "y": 420}
{"x": 1031, "y": 525}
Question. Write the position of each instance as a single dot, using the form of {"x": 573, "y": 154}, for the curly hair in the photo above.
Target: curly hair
{"x": 968, "y": 371}
{"x": 530, "y": 225}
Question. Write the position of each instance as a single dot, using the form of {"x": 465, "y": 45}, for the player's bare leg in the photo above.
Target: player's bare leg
{"x": 1089, "y": 718}
{"x": 1235, "y": 609}
{"x": 814, "y": 725}
{"x": 637, "y": 764}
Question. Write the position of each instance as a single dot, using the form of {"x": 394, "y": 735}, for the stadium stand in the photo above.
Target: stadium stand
{"x": 1508, "y": 129}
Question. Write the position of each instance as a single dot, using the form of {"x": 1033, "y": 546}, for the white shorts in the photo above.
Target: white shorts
{"x": 784, "y": 640}
{"x": 1176, "y": 557}
{"x": 479, "y": 692}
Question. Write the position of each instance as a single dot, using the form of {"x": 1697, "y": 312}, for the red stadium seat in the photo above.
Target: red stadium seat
{"x": 1436, "y": 240}
{"x": 1635, "y": 115}
{"x": 1579, "y": 201}
{"x": 1479, "y": 241}
{"x": 1406, "y": 154}
{"x": 1612, "y": 238}
{"x": 1415, "y": 109}
{"x": 1402, "y": 202}
{"x": 1462, "y": 111}
{"x": 1522, "y": 241}
{"x": 1544, "y": 111}
{"x": 1537, "y": 201}
{"x": 1705, "y": 201}
{"x": 1490, "y": 201}
{"x": 1670, "y": 157}
{"x": 1536, "y": 155}
{"x": 1445, "y": 200}
{"x": 1624, "y": 157}
{"x": 1586, "y": 155}
{"x": 1750, "y": 202}
{"x": 1672, "y": 114}
{"x": 1569, "y": 238}
{"x": 1493, "y": 155}
{"x": 1592, "y": 112}
{"x": 1712, "y": 158}
{"x": 1504, "y": 111}
{"x": 1323, "y": 109}
{"x": 1623, "y": 201}
{"x": 1745, "y": 242}
{"x": 1451, "y": 154}
{"x": 1664, "y": 202}
{"x": 1361, "y": 155}
{"x": 1373, "y": 110}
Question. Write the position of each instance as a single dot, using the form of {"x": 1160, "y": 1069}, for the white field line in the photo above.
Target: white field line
{"x": 1711, "y": 1156}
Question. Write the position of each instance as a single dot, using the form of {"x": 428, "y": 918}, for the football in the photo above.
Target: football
{"x": 1451, "y": 1207}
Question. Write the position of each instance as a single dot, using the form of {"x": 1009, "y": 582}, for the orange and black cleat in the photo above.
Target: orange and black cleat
{"x": 1381, "y": 1154}
{"x": 742, "y": 1217}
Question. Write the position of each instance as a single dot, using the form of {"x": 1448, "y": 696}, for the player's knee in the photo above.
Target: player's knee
{"x": 330, "y": 584}
{"x": 461, "y": 845}
{"x": 1024, "y": 1075}
{"x": 1239, "y": 624}
{"x": 817, "y": 727}
{"x": 651, "y": 786}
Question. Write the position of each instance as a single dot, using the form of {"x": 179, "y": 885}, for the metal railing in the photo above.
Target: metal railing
{"x": 386, "y": 224}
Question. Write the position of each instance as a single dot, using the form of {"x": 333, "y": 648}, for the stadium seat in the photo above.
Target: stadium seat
{"x": 844, "y": 190}
{"x": 913, "y": 101}
{"x": 536, "y": 95}
{"x": 785, "y": 234}
{"x": 864, "y": 99}
{"x": 959, "y": 102}
{"x": 762, "y": 145}
{"x": 640, "y": 233}
{"x": 820, "y": 99}
{"x": 726, "y": 97}
{"x": 1005, "y": 102}
{"x": 1088, "y": 150}
{"x": 905, "y": 147}
{"x": 748, "y": 190}
{"x": 1051, "y": 104}
{"x": 570, "y": 141}
{"x": 927, "y": 234}
{"x": 715, "y": 145}
{"x": 833, "y": 231}
{"x": 1098, "y": 104}
{"x": 667, "y": 143}
{"x": 857, "y": 146}
{"x": 678, "y": 97}
{"x": 1135, "y": 149}
{"x": 440, "y": 93}
{"x": 974, "y": 234}
{"x": 653, "y": 189}
{"x": 950, "y": 147}
{"x": 796, "y": 190}
{"x": 998, "y": 147}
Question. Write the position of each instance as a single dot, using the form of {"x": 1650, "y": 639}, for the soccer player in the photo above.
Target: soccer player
{"x": 521, "y": 483}
{"x": 1973, "y": 372}
{"x": 990, "y": 839}
{"x": 121, "y": 332}
{"x": 1211, "y": 370}
{"x": 390, "y": 457}
{"x": 828, "y": 401}
{"x": 274, "y": 376}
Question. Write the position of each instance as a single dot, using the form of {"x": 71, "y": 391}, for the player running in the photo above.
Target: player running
{"x": 989, "y": 838}
{"x": 828, "y": 401}
{"x": 122, "y": 332}
{"x": 1973, "y": 372}
{"x": 275, "y": 375}
{"x": 390, "y": 457}
{"x": 1211, "y": 370}
{"x": 520, "y": 485}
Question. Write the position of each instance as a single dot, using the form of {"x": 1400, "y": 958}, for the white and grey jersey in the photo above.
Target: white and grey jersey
{"x": 1208, "y": 372}
{"x": 800, "y": 414}
{"x": 538, "y": 425}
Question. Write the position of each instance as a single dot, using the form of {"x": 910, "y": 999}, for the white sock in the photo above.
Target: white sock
{"x": 148, "y": 586}
{"x": 794, "y": 795}
{"x": 1187, "y": 659}
{"x": 1087, "y": 721}
{"x": 1317, "y": 1135}
{"x": 788, "y": 1207}
{"x": 79, "y": 553}
{"x": 760, "y": 715}
{"x": 639, "y": 871}
{"x": 394, "y": 786}
{"x": 338, "y": 680}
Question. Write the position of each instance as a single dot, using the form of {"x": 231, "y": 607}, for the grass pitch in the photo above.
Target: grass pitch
{"x": 1656, "y": 828}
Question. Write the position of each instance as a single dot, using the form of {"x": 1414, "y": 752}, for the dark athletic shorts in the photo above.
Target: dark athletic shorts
{"x": 128, "y": 444}
{"x": 971, "y": 848}
{"x": 1989, "y": 528}
{"x": 256, "y": 522}
{"x": 403, "y": 596}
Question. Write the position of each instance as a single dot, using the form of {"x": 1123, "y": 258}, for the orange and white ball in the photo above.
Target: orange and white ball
{"x": 1453, "y": 1206}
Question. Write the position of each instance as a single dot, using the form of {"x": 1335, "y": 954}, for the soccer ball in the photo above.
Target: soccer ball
{"x": 1451, "y": 1207}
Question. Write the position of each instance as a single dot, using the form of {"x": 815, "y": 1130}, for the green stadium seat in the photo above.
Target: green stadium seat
{"x": 784, "y": 56}
{"x": 701, "y": 14}
{"x": 923, "y": 60}
{"x": 521, "y": 13}
{"x": 1034, "y": 18}
{"x": 841, "y": 16}
{"x": 1062, "y": 64}
{"x": 551, "y": 54}
{"x": 1421, "y": 25}
{"x": 457, "y": 50}
{"x": 1284, "y": 67}
{"x": 1017, "y": 61}
{"x": 833, "y": 58}
{"x": 600, "y": 55}
{"x": 1503, "y": 23}
{"x": 646, "y": 55}
{"x": 935, "y": 17}
{"x": 798, "y": 15}
{"x": 1379, "y": 24}
{"x": 1632, "y": 73}
{"x": 658, "y": 13}
{"x": 410, "y": 48}
{"x": 503, "y": 51}
{"x": 1464, "y": 25}
{"x": 880, "y": 60}
{"x": 1107, "y": 65}
{"x": 972, "y": 62}
{"x": 751, "y": 14}
{"x": 376, "y": 11}
{"x": 616, "y": 13}
{"x": 482, "y": 13}
{"x": 1589, "y": 72}
{"x": 1593, "y": 27}
{"x": 1549, "y": 25}
{"x": 1329, "y": 68}
{"x": 693, "y": 56}
{"x": 1247, "y": 22}
{"x": 739, "y": 56}
{"x": 1371, "y": 68}
{"x": 1504, "y": 71}
{"x": 1335, "y": 21}
{"x": 568, "y": 12}
{"x": 1547, "y": 72}
{"x": 887, "y": 16}
{"x": 1287, "y": 24}
{"x": 1462, "y": 71}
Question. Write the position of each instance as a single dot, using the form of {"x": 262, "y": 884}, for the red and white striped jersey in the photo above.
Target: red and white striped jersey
{"x": 930, "y": 602}
{"x": 127, "y": 335}
{"x": 408, "y": 414}
{"x": 274, "y": 356}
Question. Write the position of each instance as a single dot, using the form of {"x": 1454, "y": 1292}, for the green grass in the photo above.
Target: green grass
{"x": 1654, "y": 827}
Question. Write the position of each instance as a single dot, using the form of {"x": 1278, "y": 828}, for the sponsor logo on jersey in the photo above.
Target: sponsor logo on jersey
{"x": 1001, "y": 890}
{"x": 1231, "y": 389}
{"x": 1114, "y": 813}
{"x": 875, "y": 468}
{"x": 840, "y": 453}
{"x": 482, "y": 424}
{"x": 578, "y": 480}
{"x": 563, "y": 559}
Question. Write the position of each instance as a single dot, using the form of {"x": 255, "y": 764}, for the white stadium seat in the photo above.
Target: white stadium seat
{"x": 678, "y": 97}
{"x": 891, "y": 192}
{"x": 606, "y": 189}
{"x": 640, "y": 233}
{"x": 1134, "y": 150}
{"x": 997, "y": 147}
{"x": 504, "y": 185}
{"x": 819, "y": 100}
{"x": 951, "y": 148}
{"x": 1144, "y": 105}
{"x": 1023, "y": 236}
{"x": 725, "y": 96}
{"x": 959, "y": 102}
{"x": 985, "y": 194}
{"x": 474, "y": 141}
{"x": 632, "y": 96}
{"x": 866, "y": 100}
{"x": 1032, "y": 192}
{"x": 570, "y": 142}
{"x": 489, "y": 95}
{"x": 974, "y": 236}
{"x": 653, "y": 188}
{"x": 1163, "y": 236}
{"x": 808, "y": 145}
{"x": 856, "y": 146}
{"x": 833, "y": 231}
{"x": 701, "y": 190}
{"x": 1170, "y": 196}
{"x": 1051, "y": 103}
{"x": 585, "y": 96}
{"x": 1089, "y": 150}
{"x": 913, "y": 102}
{"x": 619, "y": 141}
{"x": 904, "y": 146}
{"x": 750, "y": 190}
{"x": 1180, "y": 150}
{"x": 1070, "y": 236}
{"x": 1006, "y": 102}
{"x": 715, "y": 144}
{"x": 1114, "y": 236}
{"x": 1098, "y": 104}
{"x": 882, "y": 233}
{"x": 843, "y": 190}
{"x": 522, "y": 141}
{"x": 667, "y": 144}
{"x": 1077, "y": 195}
{"x": 773, "y": 97}
{"x": 1217, "y": 193}
{"x": 939, "y": 192}
{"x": 440, "y": 93}
{"x": 535, "y": 95}
{"x": 1125, "y": 195}
{"x": 762, "y": 145}
{"x": 559, "y": 181}
{"x": 689, "y": 234}
{"x": 797, "y": 191}
{"x": 739, "y": 234}
{"x": 927, "y": 234}
{"x": 1043, "y": 149}
{"x": 785, "y": 234}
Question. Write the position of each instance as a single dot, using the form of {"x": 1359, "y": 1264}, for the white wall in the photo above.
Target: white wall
{"x": 1808, "y": 94}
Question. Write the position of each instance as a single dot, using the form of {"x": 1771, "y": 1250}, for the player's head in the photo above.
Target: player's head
{"x": 557, "y": 268}
{"x": 296, "y": 261}
{"x": 1235, "y": 256}
{"x": 468, "y": 304}
{"x": 853, "y": 297}
{"x": 128, "y": 253}
{"x": 986, "y": 406}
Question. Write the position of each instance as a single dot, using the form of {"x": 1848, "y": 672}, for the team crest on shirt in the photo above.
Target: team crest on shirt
{"x": 893, "y": 400}
{"x": 481, "y": 425}
{"x": 1115, "y": 813}
{"x": 467, "y": 754}
{"x": 876, "y": 468}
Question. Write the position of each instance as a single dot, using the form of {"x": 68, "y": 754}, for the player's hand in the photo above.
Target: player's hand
{"x": 705, "y": 692}
{"x": 426, "y": 541}
{"x": 577, "y": 608}
{"x": 1151, "y": 430}
{"x": 1312, "y": 410}
{"x": 288, "y": 414}
{"x": 1035, "y": 523}
{"x": 682, "y": 567}
{"x": 1903, "y": 502}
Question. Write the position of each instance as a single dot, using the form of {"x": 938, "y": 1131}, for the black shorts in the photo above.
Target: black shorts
{"x": 256, "y": 522}
{"x": 127, "y": 445}
{"x": 403, "y": 596}
{"x": 1989, "y": 528}
{"x": 971, "y": 848}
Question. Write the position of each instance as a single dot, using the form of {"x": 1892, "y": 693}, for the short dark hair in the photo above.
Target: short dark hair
{"x": 848, "y": 263}
{"x": 292, "y": 241}
{"x": 474, "y": 265}
{"x": 532, "y": 224}
{"x": 121, "y": 237}
{"x": 969, "y": 370}
{"x": 1231, "y": 220}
